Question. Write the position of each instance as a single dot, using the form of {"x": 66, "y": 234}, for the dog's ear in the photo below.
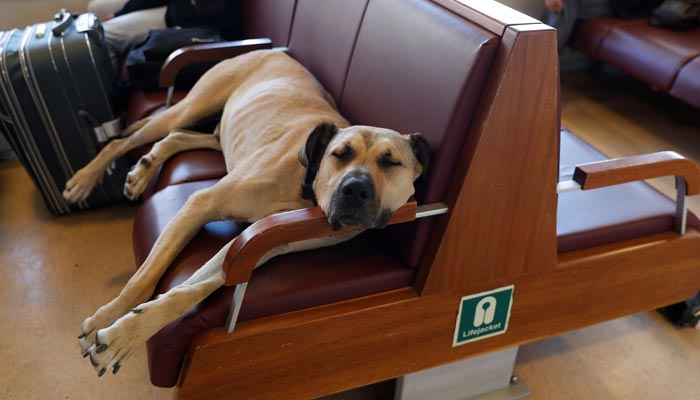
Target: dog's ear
{"x": 421, "y": 149}
{"x": 310, "y": 156}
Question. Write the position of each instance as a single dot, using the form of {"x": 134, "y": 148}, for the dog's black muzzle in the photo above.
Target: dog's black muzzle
{"x": 354, "y": 202}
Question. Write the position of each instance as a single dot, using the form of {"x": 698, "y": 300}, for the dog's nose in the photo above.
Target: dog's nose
{"x": 357, "y": 191}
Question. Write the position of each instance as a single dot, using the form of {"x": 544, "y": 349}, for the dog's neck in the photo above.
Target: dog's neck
{"x": 307, "y": 189}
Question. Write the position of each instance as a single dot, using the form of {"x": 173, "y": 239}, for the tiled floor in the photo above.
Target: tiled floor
{"x": 56, "y": 271}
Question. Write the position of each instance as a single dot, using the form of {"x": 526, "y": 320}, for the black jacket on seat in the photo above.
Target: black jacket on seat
{"x": 224, "y": 15}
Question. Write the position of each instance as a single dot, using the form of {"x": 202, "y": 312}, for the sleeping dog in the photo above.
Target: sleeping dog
{"x": 286, "y": 147}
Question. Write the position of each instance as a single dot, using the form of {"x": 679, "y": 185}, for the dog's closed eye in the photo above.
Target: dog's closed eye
{"x": 387, "y": 161}
{"x": 344, "y": 154}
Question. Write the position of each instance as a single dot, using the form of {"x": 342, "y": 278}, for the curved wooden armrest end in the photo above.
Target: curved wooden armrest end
{"x": 202, "y": 53}
{"x": 636, "y": 168}
{"x": 288, "y": 227}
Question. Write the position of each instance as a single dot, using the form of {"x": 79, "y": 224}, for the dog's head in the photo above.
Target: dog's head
{"x": 360, "y": 175}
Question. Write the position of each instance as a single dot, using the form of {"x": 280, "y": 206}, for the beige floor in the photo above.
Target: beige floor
{"x": 55, "y": 271}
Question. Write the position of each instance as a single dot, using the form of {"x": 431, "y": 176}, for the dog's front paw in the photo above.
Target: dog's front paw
{"x": 88, "y": 330}
{"x": 113, "y": 344}
{"x": 102, "y": 318}
{"x": 79, "y": 187}
{"x": 137, "y": 180}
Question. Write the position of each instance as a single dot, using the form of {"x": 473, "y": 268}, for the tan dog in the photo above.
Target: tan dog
{"x": 285, "y": 147}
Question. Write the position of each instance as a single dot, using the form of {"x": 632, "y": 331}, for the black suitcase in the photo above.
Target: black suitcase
{"x": 59, "y": 100}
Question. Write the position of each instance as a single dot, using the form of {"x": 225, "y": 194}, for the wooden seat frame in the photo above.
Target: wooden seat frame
{"x": 500, "y": 230}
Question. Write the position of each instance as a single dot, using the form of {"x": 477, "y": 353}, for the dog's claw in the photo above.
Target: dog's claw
{"x": 101, "y": 348}
{"x": 137, "y": 310}
{"x": 116, "y": 369}
{"x": 92, "y": 361}
{"x": 84, "y": 334}
{"x": 102, "y": 372}
{"x": 87, "y": 353}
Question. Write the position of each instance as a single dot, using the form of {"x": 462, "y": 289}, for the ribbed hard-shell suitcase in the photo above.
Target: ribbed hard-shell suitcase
{"x": 59, "y": 105}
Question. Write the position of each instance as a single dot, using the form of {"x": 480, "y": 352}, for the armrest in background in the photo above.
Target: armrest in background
{"x": 636, "y": 168}
{"x": 288, "y": 227}
{"x": 203, "y": 53}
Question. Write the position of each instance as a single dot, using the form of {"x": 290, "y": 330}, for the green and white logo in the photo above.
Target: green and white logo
{"x": 483, "y": 315}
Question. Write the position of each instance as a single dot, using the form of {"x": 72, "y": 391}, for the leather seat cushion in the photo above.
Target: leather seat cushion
{"x": 594, "y": 217}
{"x": 287, "y": 283}
{"x": 687, "y": 84}
{"x": 589, "y": 34}
{"x": 652, "y": 54}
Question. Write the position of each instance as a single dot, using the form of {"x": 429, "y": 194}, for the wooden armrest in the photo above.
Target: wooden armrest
{"x": 287, "y": 227}
{"x": 629, "y": 169}
{"x": 202, "y": 53}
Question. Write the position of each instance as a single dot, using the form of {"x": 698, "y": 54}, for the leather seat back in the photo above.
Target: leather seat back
{"x": 408, "y": 65}
{"x": 323, "y": 38}
{"x": 417, "y": 67}
{"x": 269, "y": 19}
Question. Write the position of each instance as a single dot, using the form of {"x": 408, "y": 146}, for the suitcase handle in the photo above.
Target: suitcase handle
{"x": 103, "y": 131}
{"x": 63, "y": 19}
{"x": 88, "y": 118}
{"x": 89, "y": 24}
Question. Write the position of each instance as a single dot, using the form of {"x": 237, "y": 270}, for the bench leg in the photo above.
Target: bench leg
{"x": 489, "y": 376}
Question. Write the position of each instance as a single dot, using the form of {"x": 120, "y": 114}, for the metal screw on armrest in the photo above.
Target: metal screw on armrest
{"x": 514, "y": 379}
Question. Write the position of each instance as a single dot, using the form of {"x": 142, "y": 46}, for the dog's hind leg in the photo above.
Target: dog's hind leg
{"x": 183, "y": 114}
{"x": 176, "y": 142}
{"x": 207, "y": 97}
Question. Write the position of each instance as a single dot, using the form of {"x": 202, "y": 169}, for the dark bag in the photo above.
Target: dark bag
{"x": 633, "y": 9}
{"x": 143, "y": 63}
{"x": 60, "y": 103}
{"x": 680, "y": 15}
{"x": 685, "y": 314}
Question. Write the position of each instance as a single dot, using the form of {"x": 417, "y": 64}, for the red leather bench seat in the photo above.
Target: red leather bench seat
{"x": 284, "y": 284}
{"x": 409, "y": 96}
{"x": 666, "y": 59}
{"x": 594, "y": 217}
{"x": 687, "y": 83}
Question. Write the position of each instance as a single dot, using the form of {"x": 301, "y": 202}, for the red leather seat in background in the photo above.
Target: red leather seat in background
{"x": 666, "y": 59}
{"x": 594, "y": 217}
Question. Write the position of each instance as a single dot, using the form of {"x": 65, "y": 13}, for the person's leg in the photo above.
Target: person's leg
{"x": 574, "y": 10}
{"x": 122, "y": 32}
{"x": 103, "y": 8}
{"x": 564, "y": 21}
